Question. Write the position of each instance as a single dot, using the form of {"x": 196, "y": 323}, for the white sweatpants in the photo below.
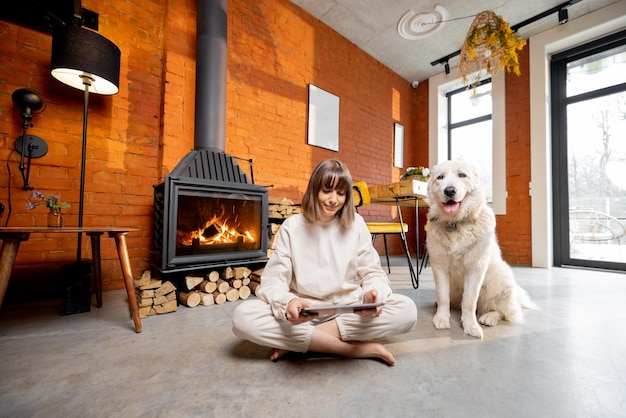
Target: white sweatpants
{"x": 253, "y": 321}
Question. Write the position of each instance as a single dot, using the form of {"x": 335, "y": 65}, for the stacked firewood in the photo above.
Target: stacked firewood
{"x": 229, "y": 285}
{"x": 279, "y": 209}
{"x": 154, "y": 296}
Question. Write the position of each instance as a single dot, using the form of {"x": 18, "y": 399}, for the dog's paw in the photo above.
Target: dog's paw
{"x": 490, "y": 318}
{"x": 441, "y": 322}
{"x": 473, "y": 329}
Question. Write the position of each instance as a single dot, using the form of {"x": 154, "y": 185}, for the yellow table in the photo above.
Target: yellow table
{"x": 12, "y": 236}
{"x": 407, "y": 193}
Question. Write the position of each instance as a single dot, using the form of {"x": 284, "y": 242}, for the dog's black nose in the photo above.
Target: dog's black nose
{"x": 449, "y": 191}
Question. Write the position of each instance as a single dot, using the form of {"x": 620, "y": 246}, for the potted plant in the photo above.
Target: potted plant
{"x": 51, "y": 201}
{"x": 419, "y": 173}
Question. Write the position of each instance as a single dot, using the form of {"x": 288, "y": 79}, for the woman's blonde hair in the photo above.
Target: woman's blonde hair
{"x": 330, "y": 174}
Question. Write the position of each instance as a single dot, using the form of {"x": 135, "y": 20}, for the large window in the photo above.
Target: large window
{"x": 470, "y": 131}
{"x": 589, "y": 153}
{"x": 470, "y": 125}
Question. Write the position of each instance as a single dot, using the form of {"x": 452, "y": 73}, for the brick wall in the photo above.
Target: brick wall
{"x": 514, "y": 229}
{"x": 136, "y": 137}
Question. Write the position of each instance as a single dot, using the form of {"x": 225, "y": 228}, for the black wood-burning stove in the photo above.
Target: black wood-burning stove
{"x": 207, "y": 213}
{"x": 203, "y": 223}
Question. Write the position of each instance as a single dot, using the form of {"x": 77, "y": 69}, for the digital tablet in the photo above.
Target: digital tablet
{"x": 338, "y": 309}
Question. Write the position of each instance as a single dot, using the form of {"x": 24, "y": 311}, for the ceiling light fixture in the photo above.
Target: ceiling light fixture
{"x": 563, "y": 16}
{"x": 414, "y": 26}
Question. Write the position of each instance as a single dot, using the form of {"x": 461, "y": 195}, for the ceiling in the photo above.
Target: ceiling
{"x": 434, "y": 32}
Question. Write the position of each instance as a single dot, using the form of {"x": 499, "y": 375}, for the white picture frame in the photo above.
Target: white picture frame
{"x": 398, "y": 145}
{"x": 323, "y": 124}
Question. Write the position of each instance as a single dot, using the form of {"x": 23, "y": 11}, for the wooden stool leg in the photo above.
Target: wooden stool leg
{"x": 387, "y": 253}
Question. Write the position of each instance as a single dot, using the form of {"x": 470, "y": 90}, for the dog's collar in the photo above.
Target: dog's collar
{"x": 450, "y": 226}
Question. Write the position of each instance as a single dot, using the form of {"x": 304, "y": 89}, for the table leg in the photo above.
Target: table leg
{"x": 10, "y": 245}
{"x": 97, "y": 265}
{"x": 413, "y": 272}
{"x": 122, "y": 251}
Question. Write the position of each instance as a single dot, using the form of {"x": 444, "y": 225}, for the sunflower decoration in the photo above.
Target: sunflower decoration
{"x": 490, "y": 45}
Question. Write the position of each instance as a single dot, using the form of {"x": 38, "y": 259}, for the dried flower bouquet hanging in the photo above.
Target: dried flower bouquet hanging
{"x": 490, "y": 45}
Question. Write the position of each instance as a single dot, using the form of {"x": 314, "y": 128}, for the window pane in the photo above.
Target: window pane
{"x": 604, "y": 69}
{"x": 470, "y": 104}
{"x": 472, "y": 143}
{"x": 597, "y": 184}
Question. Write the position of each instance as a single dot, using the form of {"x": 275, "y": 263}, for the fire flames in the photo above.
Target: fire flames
{"x": 215, "y": 231}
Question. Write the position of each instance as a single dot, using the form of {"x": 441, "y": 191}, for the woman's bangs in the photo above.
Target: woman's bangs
{"x": 336, "y": 181}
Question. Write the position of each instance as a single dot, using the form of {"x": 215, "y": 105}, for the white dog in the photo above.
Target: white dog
{"x": 465, "y": 256}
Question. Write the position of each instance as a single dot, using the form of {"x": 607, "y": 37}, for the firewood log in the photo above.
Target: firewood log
{"x": 165, "y": 288}
{"x": 192, "y": 281}
{"x": 219, "y": 298}
{"x": 206, "y": 299}
{"x": 166, "y": 307}
{"x": 244, "y": 292}
{"x": 241, "y": 272}
{"x": 228, "y": 273}
{"x": 190, "y": 299}
{"x": 232, "y": 294}
{"x": 222, "y": 286}
{"x": 236, "y": 283}
{"x": 213, "y": 276}
{"x": 255, "y": 286}
{"x": 144, "y": 280}
{"x": 245, "y": 281}
{"x": 207, "y": 286}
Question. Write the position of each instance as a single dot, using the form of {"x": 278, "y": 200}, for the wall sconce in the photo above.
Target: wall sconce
{"x": 29, "y": 146}
{"x": 87, "y": 61}
{"x": 563, "y": 16}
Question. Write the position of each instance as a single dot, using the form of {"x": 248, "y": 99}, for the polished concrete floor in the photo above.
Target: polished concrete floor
{"x": 567, "y": 360}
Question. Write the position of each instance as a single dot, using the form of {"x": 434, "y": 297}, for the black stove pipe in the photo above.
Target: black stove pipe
{"x": 211, "y": 56}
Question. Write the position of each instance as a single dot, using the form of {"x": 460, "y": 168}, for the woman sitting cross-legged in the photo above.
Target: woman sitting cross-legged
{"x": 325, "y": 256}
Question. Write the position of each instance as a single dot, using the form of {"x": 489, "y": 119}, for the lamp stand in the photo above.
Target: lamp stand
{"x": 87, "y": 80}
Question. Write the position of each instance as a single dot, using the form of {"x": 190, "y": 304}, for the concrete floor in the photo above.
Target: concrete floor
{"x": 567, "y": 360}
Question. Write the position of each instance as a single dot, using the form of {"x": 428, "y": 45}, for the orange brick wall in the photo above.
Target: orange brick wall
{"x": 514, "y": 229}
{"x": 136, "y": 137}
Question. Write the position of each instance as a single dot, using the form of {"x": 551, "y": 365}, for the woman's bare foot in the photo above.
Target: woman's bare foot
{"x": 277, "y": 353}
{"x": 372, "y": 350}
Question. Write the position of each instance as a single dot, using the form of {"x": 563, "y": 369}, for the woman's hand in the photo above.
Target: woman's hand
{"x": 293, "y": 311}
{"x": 371, "y": 296}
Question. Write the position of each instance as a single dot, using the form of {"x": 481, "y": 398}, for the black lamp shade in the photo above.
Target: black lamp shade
{"x": 77, "y": 51}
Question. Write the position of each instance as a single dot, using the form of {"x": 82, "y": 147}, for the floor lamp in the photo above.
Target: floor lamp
{"x": 87, "y": 61}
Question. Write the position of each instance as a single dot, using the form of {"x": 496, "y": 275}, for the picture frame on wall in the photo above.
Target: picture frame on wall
{"x": 398, "y": 145}
{"x": 323, "y": 123}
